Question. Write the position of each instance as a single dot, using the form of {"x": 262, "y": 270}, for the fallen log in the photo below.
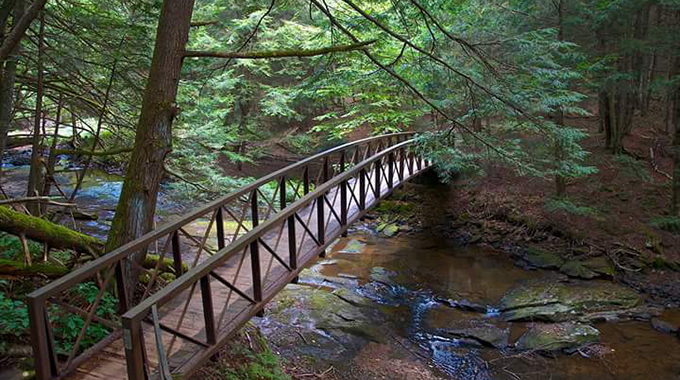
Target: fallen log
{"x": 15, "y": 142}
{"x": 18, "y": 268}
{"x": 54, "y": 235}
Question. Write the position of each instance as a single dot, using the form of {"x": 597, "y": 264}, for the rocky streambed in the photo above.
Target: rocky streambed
{"x": 414, "y": 307}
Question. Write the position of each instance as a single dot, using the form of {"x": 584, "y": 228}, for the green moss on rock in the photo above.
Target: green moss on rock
{"x": 560, "y": 336}
{"x": 549, "y": 300}
{"x": 576, "y": 269}
{"x": 542, "y": 259}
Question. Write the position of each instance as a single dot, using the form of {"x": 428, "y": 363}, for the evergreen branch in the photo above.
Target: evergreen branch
{"x": 443, "y": 63}
{"x": 411, "y": 87}
{"x": 280, "y": 53}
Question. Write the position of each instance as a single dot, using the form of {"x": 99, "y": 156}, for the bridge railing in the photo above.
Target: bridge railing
{"x": 78, "y": 315}
{"x": 179, "y": 327}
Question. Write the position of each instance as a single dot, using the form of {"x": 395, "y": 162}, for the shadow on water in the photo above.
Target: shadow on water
{"x": 417, "y": 279}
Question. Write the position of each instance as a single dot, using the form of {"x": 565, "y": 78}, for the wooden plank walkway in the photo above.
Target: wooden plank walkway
{"x": 230, "y": 288}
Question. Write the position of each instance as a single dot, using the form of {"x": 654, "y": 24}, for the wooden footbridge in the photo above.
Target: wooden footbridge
{"x": 240, "y": 251}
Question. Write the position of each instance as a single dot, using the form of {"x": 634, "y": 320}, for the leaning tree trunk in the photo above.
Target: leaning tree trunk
{"x": 52, "y": 234}
{"x": 7, "y": 84}
{"x": 137, "y": 204}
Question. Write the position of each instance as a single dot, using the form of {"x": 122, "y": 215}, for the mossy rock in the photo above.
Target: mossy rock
{"x": 481, "y": 332}
{"x": 576, "y": 269}
{"x": 391, "y": 230}
{"x": 404, "y": 209}
{"x": 540, "y": 258}
{"x": 340, "y": 310}
{"x": 600, "y": 265}
{"x": 549, "y": 300}
{"x": 353, "y": 246}
{"x": 559, "y": 336}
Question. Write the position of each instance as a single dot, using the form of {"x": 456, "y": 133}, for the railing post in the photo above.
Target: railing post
{"x": 44, "y": 368}
{"x": 325, "y": 175}
{"x": 362, "y": 189}
{"x": 390, "y": 173}
{"x": 133, "y": 340}
{"x": 208, "y": 311}
{"x": 219, "y": 220}
{"x": 378, "y": 173}
{"x": 320, "y": 208}
{"x": 343, "y": 197}
{"x": 255, "y": 253}
{"x": 121, "y": 287}
{"x": 321, "y": 222}
{"x": 176, "y": 253}
{"x": 292, "y": 249}
{"x": 305, "y": 180}
{"x": 401, "y": 163}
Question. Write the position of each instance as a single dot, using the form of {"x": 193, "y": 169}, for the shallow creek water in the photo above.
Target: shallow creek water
{"x": 98, "y": 195}
{"x": 407, "y": 277}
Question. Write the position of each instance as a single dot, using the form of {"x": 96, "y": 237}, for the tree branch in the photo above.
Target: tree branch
{"x": 48, "y": 200}
{"x": 280, "y": 53}
{"x": 20, "y": 28}
{"x": 81, "y": 152}
{"x": 203, "y": 23}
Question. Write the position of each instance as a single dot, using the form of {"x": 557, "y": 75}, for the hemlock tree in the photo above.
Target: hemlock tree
{"x": 153, "y": 140}
{"x": 137, "y": 205}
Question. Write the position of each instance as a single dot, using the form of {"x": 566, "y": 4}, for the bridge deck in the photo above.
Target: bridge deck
{"x": 185, "y": 314}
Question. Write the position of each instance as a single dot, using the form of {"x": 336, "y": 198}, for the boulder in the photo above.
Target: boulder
{"x": 539, "y": 258}
{"x": 600, "y": 265}
{"x": 483, "y": 333}
{"x": 576, "y": 269}
{"x": 550, "y": 300}
{"x": 353, "y": 246}
{"x": 390, "y": 230}
{"x": 557, "y": 336}
{"x": 664, "y": 326}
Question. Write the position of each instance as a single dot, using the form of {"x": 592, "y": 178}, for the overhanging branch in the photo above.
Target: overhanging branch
{"x": 280, "y": 53}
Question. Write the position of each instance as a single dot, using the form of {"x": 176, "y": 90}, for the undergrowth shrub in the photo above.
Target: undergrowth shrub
{"x": 566, "y": 205}
{"x": 667, "y": 223}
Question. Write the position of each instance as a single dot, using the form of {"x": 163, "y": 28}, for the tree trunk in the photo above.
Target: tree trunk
{"x": 52, "y": 158}
{"x": 55, "y": 235}
{"x": 18, "y": 268}
{"x": 153, "y": 139}
{"x": 7, "y": 84}
{"x": 36, "y": 173}
{"x": 676, "y": 156}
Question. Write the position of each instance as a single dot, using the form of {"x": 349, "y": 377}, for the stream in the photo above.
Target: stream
{"x": 98, "y": 195}
{"x": 384, "y": 308}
